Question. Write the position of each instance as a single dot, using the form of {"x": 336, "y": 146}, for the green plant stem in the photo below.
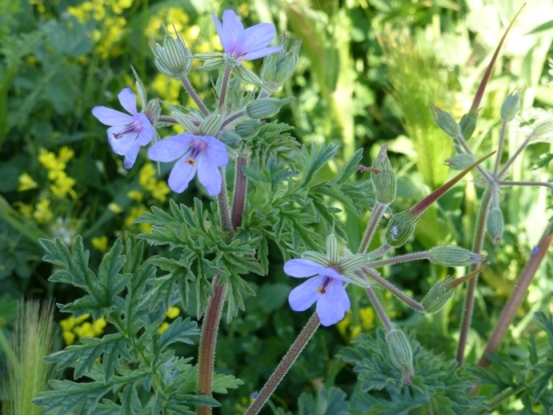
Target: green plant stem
{"x": 210, "y": 328}
{"x": 240, "y": 187}
{"x": 531, "y": 184}
{"x": 224, "y": 86}
{"x": 379, "y": 309}
{"x": 285, "y": 364}
{"x": 376, "y": 215}
{"x": 519, "y": 292}
{"x": 477, "y": 243}
{"x": 496, "y": 400}
{"x": 500, "y": 147}
{"x": 193, "y": 94}
{"x": 504, "y": 169}
{"x": 482, "y": 170}
{"x": 222, "y": 199}
{"x": 233, "y": 117}
{"x": 393, "y": 289}
{"x": 399, "y": 259}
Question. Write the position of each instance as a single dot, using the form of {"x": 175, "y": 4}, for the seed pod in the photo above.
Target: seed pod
{"x": 399, "y": 229}
{"x": 401, "y": 353}
{"x": 543, "y": 130}
{"x": 263, "y": 108}
{"x": 211, "y": 125}
{"x": 468, "y": 124}
{"x": 454, "y": 256}
{"x": 438, "y": 295}
{"x": 460, "y": 161}
{"x": 510, "y": 107}
{"x": 446, "y": 122}
{"x": 495, "y": 225}
{"x": 247, "y": 128}
{"x": 384, "y": 182}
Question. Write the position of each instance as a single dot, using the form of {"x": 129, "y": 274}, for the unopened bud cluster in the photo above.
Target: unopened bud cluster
{"x": 279, "y": 66}
{"x": 173, "y": 58}
{"x": 384, "y": 182}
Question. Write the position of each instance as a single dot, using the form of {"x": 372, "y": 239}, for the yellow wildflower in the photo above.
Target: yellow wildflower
{"x": 100, "y": 243}
{"x": 173, "y": 312}
{"x": 85, "y": 330}
{"x": 67, "y": 323}
{"x": 99, "y": 325}
{"x": 168, "y": 89}
{"x": 63, "y": 185}
{"x": 135, "y": 195}
{"x": 160, "y": 191}
{"x": 26, "y": 182}
{"x": 80, "y": 319}
{"x": 65, "y": 154}
{"x": 68, "y": 337}
{"x": 24, "y": 209}
{"x": 42, "y": 211}
{"x": 163, "y": 327}
{"x": 137, "y": 211}
{"x": 115, "y": 208}
{"x": 146, "y": 175}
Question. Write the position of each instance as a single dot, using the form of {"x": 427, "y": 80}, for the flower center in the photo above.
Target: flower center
{"x": 322, "y": 288}
{"x": 133, "y": 127}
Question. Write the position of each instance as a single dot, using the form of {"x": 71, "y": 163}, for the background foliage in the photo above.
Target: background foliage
{"x": 368, "y": 72}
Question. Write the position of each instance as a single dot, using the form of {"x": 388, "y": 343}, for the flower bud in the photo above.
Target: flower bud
{"x": 185, "y": 121}
{"x": 211, "y": 124}
{"x": 454, "y": 256}
{"x": 543, "y": 130}
{"x": 401, "y": 353}
{"x": 460, "y": 161}
{"x": 265, "y": 107}
{"x": 212, "y": 64}
{"x": 247, "y": 75}
{"x": 140, "y": 88}
{"x": 316, "y": 257}
{"x": 230, "y": 139}
{"x": 438, "y": 295}
{"x": 279, "y": 66}
{"x": 495, "y": 225}
{"x": 153, "y": 111}
{"x": 510, "y": 107}
{"x": 173, "y": 58}
{"x": 384, "y": 182}
{"x": 399, "y": 229}
{"x": 446, "y": 122}
{"x": 468, "y": 124}
{"x": 332, "y": 252}
{"x": 247, "y": 128}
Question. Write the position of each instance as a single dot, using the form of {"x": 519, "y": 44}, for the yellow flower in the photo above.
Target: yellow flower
{"x": 135, "y": 195}
{"x": 63, "y": 185}
{"x": 168, "y": 89}
{"x": 160, "y": 191}
{"x": 80, "y": 319}
{"x": 48, "y": 160}
{"x": 67, "y": 323}
{"x": 42, "y": 211}
{"x": 99, "y": 325}
{"x": 173, "y": 312}
{"x": 115, "y": 208}
{"x": 146, "y": 175}
{"x": 68, "y": 337}
{"x": 137, "y": 211}
{"x": 163, "y": 327}
{"x": 65, "y": 154}
{"x": 24, "y": 209}
{"x": 100, "y": 243}
{"x": 26, "y": 182}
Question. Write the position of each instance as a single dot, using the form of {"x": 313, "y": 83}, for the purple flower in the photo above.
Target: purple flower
{"x": 127, "y": 133}
{"x": 202, "y": 154}
{"x": 326, "y": 287}
{"x": 245, "y": 44}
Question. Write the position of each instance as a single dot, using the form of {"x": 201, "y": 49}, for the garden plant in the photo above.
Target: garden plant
{"x": 205, "y": 259}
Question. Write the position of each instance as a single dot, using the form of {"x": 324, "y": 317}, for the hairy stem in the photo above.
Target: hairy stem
{"x": 233, "y": 117}
{"x": 376, "y": 215}
{"x": 193, "y": 94}
{"x": 503, "y": 171}
{"x": 500, "y": 147}
{"x": 477, "y": 243}
{"x": 222, "y": 199}
{"x": 371, "y": 273}
{"x": 285, "y": 364}
{"x": 224, "y": 86}
{"x": 399, "y": 259}
{"x": 206, "y": 359}
{"x": 379, "y": 309}
{"x": 517, "y": 296}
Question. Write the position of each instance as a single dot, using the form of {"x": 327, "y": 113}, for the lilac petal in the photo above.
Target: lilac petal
{"x": 170, "y": 148}
{"x": 128, "y": 100}
{"x": 108, "y": 116}
{"x": 216, "y": 152}
{"x": 123, "y": 144}
{"x": 148, "y": 130}
{"x": 130, "y": 156}
{"x": 333, "y": 304}
{"x": 303, "y": 296}
{"x": 209, "y": 176}
{"x": 233, "y": 30}
{"x": 220, "y": 31}
{"x": 258, "y": 37}
{"x": 181, "y": 175}
{"x": 261, "y": 53}
{"x": 302, "y": 268}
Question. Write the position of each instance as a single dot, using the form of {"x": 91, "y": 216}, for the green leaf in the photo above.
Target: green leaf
{"x": 314, "y": 160}
{"x": 179, "y": 331}
{"x": 83, "y": 357}
{"x": 222, "y": 383}
{"x": 330, "y": 401}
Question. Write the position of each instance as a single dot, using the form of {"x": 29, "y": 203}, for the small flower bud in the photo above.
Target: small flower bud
{"x": 247, "y": 128}
{"x": 468, "y": 124}
{"x": 454, "y": 256}
{"x": 399, "y": 229}
{"x": 446, "y": 122}
{"x": 211, "y": 124}
{"x": 495, "y": 225}
{"x": 543, "y": 130}
{"x": 438, "y": 295}
{"x": 460, "y": 161}
{"x": 510, "y": 107}
{"x": 140, "y": 88}
{"x": 185, "y": 121}
{"x": 332, "y": 252}
{"x": 265, "y": 107}
{"x": 247, "y": 75}
{"x": 316, "y": 257}
{"x": 173, "y": 58}
{"x": 384, "y": 182}
{"x": 279, "y": 66}
{"x": 230, "y": 139}
{"x": 401, "y": 353}
{"x": 211, "y": 64}
{"x": 153, "y": 111}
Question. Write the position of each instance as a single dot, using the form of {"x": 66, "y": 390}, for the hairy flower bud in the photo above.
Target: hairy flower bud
{"x": 399, "y": 229}
{"x": 247, "y": 128}
{"x": 401, "y": 353}
{"x": 384, "y": 182}
{"x": 153, "y": 111}
{"x": 279, "y": 66}
{"x": 265, "y": 107}
{"x": 211, "y": 124}
{"x": 230, "y": 139}
{"x": 247, "y": 75}
{"x": 438, "y": 295}
{"x": 173, "y": 58}
{"x": 510, "y": 107}
{"x": 495, "y": 225}
{"x": 543, "y": 130}
{"x": 468, "y": 124}
{"x": 454, "y": 256}
{"x": 446, "y": 122}
{"x": 460, "y": 161}
{"x": 185, "y": 121}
